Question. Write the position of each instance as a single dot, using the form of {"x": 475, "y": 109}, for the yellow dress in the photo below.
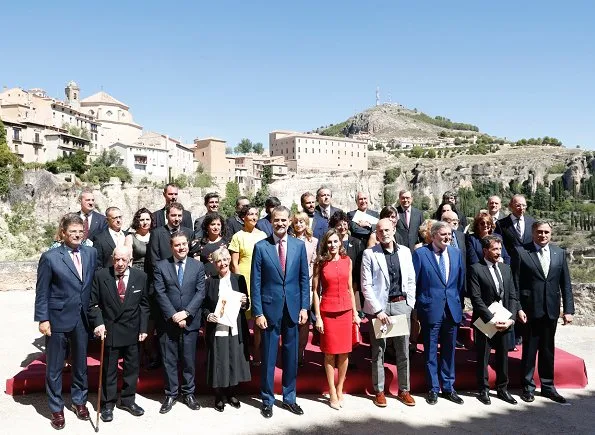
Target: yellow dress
{"x": 243, "y": 243}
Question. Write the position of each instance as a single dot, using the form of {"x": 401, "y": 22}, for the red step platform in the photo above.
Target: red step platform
{"x": 570, "y": 372}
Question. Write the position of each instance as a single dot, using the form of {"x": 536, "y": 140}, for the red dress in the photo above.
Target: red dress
{"x": 336, "y": 309}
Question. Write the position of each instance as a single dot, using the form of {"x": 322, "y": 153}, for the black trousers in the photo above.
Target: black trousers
{"x": 539, "y": 337}
{"x": 109, "y": 389}
{"x": 179, "y": 345}
{"x": 483, "y": 346}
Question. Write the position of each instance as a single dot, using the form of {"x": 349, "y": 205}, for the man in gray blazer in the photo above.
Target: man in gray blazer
{"x": 388, "y": 286}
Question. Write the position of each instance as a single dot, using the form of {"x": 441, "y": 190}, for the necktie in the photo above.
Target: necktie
{"x": 544, "y": 260}
{"x": 500, "y": 283}
{"x": 442, "y": 265}
{"x": 518, "y": 228}
{"x": 121, "y": 288}
{"x": 325, "y": 214}
{"x": 180, "y": 272}
{"x": 86, "y": 227}
{"x": 76, "y": 255}
{"x": 282, "y": 255}
{"x": 407, "y": 217}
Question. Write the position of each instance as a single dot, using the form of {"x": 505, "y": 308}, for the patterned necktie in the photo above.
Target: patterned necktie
{"x": 442, "y": 265}
{"x": 518, "y": 228}
{"x": 86, "y": 227}
{"x": 180, "y": 272}
{"x": 500, "y": 283}
{"x": 544, "y": 260}
{"x": 121, "y": 288}
{"x": 76, "y": 255}
{"x": 282, "y": 255}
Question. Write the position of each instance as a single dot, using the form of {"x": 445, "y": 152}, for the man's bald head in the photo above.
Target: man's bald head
{"x": 451, "y": 218}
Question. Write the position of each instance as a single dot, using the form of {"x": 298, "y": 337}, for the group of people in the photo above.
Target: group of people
{"x": 167, "y": 276}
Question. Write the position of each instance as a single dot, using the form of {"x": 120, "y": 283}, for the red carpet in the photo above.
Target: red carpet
{"x": 570, "y": 372}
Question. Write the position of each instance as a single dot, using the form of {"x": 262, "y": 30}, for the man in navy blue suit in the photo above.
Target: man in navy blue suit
{"x": 265, "y": 224}
{"x": 323, "y": 211}
{"x": 440, "y": 280}
{"x": 280, "y": 300}
{"x": 64, "y": 279}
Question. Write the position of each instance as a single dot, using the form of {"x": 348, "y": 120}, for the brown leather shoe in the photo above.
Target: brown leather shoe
{"x": 380, "y": 400}
{"x": 405, "y": 397}
{"x": 81, "y": 411}
{"x": 57, "y": 421}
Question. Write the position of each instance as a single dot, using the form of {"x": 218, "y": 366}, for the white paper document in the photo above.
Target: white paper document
{"x": 398, "y": 326}
{"x": 500, "y": 313}
{"x": 361, "y": 216}
{"x": 228, "y": 307}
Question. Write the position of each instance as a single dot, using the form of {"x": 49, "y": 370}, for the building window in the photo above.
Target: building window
{"x": 109, "y": 113}
{"x": 37, "y": 138}
{"x": 299, "y": 149}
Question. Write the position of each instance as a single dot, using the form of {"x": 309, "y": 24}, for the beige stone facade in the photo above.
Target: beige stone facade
{"x": 317, "y": 152}
{"x": 210, "y": 154}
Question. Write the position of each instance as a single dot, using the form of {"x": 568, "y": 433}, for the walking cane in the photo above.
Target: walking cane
{"x": 100, "y": 379}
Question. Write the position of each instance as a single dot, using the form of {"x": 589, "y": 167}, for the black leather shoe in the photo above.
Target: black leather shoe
{"x": 293, "y": 408}
{"x": 432, "y": 398}
{"x": 191, "y": 402}
{"x": 133, "y": 408}
{"x": 266, "y": 411}
{"x": 528, "y": 396}
{"x": 506, "y": 396}
{"x": 484, "y": 397}
{"x": 219, "y": 404}
{"x": 167, "y": 404}
{"x": 107, "y": 414}
{"x": 452, "y": 396}
{"x": 555, "y": 396}
{"x": 233, "y": 401}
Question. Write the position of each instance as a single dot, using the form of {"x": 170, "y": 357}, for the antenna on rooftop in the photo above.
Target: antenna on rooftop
{"x": 377, "y": 95}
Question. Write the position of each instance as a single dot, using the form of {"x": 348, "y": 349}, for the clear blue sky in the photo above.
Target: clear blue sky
{"x": 236, "y": 69}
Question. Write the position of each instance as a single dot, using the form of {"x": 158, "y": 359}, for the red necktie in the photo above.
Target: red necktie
{"x": 86, "y": 227}
{"x": 121, "y": 288}
{"x": 282, "y": 255}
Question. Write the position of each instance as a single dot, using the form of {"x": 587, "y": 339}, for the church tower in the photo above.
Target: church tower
{"x": 73, "y": 94}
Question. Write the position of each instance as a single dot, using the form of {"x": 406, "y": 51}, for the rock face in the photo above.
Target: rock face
{"x": 584, "y": 304}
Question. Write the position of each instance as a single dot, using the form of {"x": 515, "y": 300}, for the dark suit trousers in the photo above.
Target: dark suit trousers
{"x": 445, "y": 333}
{"x": 539, "y": 336}
{"x": 173, "y": 345}
{"x": 288, "y": 330}
{"x": 109, "y": 390}
{"x": 56, "y": 347}
{"x": 483, "y": 345}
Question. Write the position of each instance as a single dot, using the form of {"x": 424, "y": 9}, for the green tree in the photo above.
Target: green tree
{"x": 245, "y": 146}
{"x": 267, "y": 175}
{"x": 227, "y": 206}
{"x": 258, "y": 148}
{"x": 416, "y": 152}
{"x": 7, "y": 157}
{"x": 261, "y": 196}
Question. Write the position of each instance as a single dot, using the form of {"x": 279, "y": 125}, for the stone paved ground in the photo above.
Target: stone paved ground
{"x": 29, "y": 415}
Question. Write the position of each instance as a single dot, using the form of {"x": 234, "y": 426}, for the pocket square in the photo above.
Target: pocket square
{"x": 135, "y": 291}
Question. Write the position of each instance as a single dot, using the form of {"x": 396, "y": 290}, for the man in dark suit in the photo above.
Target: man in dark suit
{"x": 515, "y": 228}
{"x": 106, "y": 241}
{"x": 490, "y": 280}
{"x": 64, "y": 278}
{"x": 212, "y": 205}
{"x": 264, "y": 224}
{"x": 494, "y": 208}
{"x": 170, "y": 193}
{"x": 541, "y": 274}
{"x": 451, "y": 197}
{"x": 323, "y": 212}
{"x": 180, "y": 290}
{"x": 93, "y": 221}
{"x": 119, "y": 306}
{"x": 234, "y": 224}
{"x": 280, "y": 300}
{"x": 440, "y": 280}
{"x": 409, "y": 221}
{"x": 362, "y": 229}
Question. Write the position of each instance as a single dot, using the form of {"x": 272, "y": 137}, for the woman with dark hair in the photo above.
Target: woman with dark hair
{"x": 391, "y": 213}
{"x": 138, "y": 238}
{"x": 213, "y": 228}
{"x": 335, "y": 310}
{"x": 228, "y": 358}
{"x": 483, "y": 225}
{"x": 445, "y": 206}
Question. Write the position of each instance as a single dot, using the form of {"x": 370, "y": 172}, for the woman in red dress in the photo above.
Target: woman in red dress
{"x": 335, "y": 311}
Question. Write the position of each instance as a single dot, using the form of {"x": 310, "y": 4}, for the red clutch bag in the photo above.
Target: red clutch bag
{"x": 356, "y": 335}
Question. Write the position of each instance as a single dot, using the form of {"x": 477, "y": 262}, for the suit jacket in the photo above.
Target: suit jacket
{"x": 463, "y": 248}
{"x": 232, "y": 226}
{"x": 355, "y": 249}
{"x": 475, "y": 250}
{"x": 410, "y": 234}
{"x": 270, "y": 289}
{"x": 123, "y": 321}
{"x": 98, "y": 224}
{"x": 358, "y": 232}
{"x": 238, "y": 284}
{"x": 264, "y": 224}
{"x": 483, "y": 291}
{"x": 172, "y": 297}
{"x": 159, "y": 219}
{"x": 505, "y": 227}
{"x": 320, "y": 224}
{"x": 376, "y": 281}
{"x": 433, "y": 294}
{"x": 500, "y": 215}
{"x": 159, "y": 247}
{"x": 60, "y": 295}
{"x": 104, "y": 243}
{"x": 539, "y": 294}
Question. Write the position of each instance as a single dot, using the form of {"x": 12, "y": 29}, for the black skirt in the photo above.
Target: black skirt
{"x": 227, "y": 362}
